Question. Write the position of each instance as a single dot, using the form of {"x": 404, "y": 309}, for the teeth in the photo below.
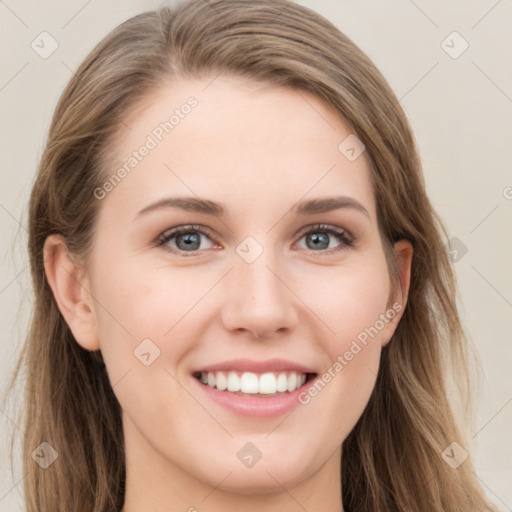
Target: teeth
{"x": 222, "y": 381}
{"x": 292, "y": 382}
{"x": 267, "y": 384}
{"x": 249, "y": 382}
{"x": 233, "y": 382}
{"x": 282, "y": 382}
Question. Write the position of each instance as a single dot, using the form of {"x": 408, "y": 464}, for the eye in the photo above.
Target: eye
{"x": 320, "y": 236}
{"x": 184, "y": 238}
{"x": 188, "y": 239}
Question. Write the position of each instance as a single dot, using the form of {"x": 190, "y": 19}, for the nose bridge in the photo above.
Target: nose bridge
{"x": 257, "y": 298}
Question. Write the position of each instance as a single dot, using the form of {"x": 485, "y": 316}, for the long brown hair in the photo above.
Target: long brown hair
{"x": 392, "y": 460}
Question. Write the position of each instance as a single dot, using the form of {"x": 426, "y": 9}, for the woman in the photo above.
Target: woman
{"x": 194, "y": 345}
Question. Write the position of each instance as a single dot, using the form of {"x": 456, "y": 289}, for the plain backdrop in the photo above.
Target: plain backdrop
{"x": 449, "y": 64}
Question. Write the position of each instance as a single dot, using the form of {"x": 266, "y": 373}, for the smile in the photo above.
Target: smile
{"x": 241, "y": 383}
{"x": 252, "y": 388}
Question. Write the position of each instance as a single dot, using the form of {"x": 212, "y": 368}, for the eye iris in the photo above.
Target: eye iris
{"x": 191, "y": 240}
{"x": 315, "y": 237}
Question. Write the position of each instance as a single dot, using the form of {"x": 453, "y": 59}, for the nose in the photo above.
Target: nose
{"x": 258, "y": 298}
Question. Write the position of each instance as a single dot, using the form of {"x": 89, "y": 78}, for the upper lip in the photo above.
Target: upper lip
{"x": 248, "y": 365}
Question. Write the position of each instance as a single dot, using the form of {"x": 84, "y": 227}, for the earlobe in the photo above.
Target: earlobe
{"x": 396, "y": 307}
{"x": 69, "y": 286}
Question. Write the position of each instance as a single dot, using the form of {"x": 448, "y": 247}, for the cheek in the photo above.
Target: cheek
{"x": 144, "y": 299}
{"x": 140, "y": 302}
{"x": 350, "y": 305}
{"x": 347, "y": 300}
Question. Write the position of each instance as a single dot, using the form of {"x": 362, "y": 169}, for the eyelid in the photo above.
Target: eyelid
{"x": 325, "y": 227}
{"x": 164, "y": 236}
{"x": 342, "y": 233}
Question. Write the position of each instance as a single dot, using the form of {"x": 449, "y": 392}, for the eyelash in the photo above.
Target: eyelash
{"x": 346, "y": 239}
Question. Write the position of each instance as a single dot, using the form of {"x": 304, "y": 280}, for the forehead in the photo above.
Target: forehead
{"x": 237, "y": 141}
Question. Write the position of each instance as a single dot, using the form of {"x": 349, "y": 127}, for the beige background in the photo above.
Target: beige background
{"x": 460, "y": 109}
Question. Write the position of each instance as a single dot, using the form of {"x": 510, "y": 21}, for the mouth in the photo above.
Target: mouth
{"x": 254, "y": 389}
{"x": 254, "y": 385}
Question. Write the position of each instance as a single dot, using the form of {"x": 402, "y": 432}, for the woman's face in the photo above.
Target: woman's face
{"x": 257, "y": 289}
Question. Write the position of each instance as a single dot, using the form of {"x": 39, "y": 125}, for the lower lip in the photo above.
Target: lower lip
{"x": 255, "y": 406}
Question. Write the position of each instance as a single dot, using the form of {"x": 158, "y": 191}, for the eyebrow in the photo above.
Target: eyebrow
{"x": 207, "y": 207}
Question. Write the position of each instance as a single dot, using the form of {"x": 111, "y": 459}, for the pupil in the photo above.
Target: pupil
{"x": 319, "y": 238}
{"x": 189, "y": 240}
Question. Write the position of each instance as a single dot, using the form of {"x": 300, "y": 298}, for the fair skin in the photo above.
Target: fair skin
{"x": 258, "y": 150}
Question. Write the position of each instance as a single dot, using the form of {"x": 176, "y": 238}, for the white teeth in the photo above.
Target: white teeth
{"x": 233, "y": 382}
{"x": 222, "y": 381}
{"x": 249, "y": 382}
{"x": 292, "y": 382}
{"x": 282, "y": 382}
{"x": 267, "y": 384}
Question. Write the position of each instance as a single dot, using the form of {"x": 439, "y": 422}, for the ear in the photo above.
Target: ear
{"x": 70, "y": 286}
{"x": 398, "y": 300}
